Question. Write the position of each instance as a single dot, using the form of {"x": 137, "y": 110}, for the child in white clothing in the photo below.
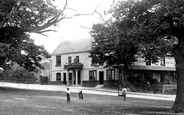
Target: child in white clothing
{"x": 124, "y": 91}
{"x": 80, "y": 93}
{"x": 68, "y": 95}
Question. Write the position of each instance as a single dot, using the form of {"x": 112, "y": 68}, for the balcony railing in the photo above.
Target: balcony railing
{"x": 73, "y": 66}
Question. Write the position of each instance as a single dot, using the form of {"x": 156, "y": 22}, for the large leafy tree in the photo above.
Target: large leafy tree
{"x": 157, "y": 27}
{"x": 18, "y": 18}
{"x": 111, "y": 49}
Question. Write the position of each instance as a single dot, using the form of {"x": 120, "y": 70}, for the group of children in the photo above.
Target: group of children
{"x": 68, "y": 94}
{"x": 124, "y": 91}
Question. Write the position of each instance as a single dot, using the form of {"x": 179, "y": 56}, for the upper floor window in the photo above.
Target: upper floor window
{"x": 111, "y": 74}
{"x": 58, "y": 60}
{"x": 92, "y": 75}
{"x": 69, "y": 60}
{"x": 77, "y": 59}
{"x": 162, "y": 61}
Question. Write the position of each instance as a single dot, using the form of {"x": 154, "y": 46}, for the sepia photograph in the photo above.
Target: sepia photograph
{"x": 91, "y": 57}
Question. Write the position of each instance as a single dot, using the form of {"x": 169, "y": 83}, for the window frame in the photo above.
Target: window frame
{"x": 110, "y": 74}
{"x": 58, "y": 60}
{"x": 69, "y": 59}
{"x": 77, "y": 57}
{"x": 58, "y": 76}
{"x": 92, "y": 75}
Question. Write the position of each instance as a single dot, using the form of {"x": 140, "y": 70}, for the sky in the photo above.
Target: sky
{"x": 76, "y": 27}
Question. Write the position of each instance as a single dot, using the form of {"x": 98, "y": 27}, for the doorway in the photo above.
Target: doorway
{"x": 101, "y": 77}
{"x": 70, "y": 78}
{"x": 79, "y": 77}
{"x": 64, "y": 78}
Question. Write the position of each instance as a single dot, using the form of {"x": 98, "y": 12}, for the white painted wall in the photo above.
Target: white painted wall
{"x": 84, "y": 59}
{"x": 169, "y": 62}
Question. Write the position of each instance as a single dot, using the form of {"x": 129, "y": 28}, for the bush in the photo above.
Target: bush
{"x": 18, "y": 75}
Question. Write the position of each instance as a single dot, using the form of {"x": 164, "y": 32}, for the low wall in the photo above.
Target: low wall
{"x": 164, "y": 88}
{"x": 90, "y": 83}
{"x": 107, "y": 84}
{"x": 111, "y": 84}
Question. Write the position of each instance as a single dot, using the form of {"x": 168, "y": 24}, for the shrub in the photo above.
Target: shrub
{"x": 18, "y": 75}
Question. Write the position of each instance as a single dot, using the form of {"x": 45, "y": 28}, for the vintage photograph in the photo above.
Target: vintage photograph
{"x": 91, "y": 57}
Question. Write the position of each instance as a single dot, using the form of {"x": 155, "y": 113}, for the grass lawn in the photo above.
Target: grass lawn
{"x": 24, "y": 102}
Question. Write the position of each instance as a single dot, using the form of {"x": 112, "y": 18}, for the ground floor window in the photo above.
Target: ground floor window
{"x": 140, "y": 77}
{"x": 174, "y": 77}
{"x": 92, "y": 75}
{"x": 58, "y": 76}
{"x": 162, "y": 77}
{"x": 111, "y": 74}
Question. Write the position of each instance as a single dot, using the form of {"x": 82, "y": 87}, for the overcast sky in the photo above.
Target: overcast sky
{"x": 70, "y": 29}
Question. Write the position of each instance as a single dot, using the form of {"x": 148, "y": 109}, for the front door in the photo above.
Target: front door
{"x": 101, "y": 77}
{"x": 70, "y": 78}
{"x": 64, "y": 78}
{"x": 79, "y": 77}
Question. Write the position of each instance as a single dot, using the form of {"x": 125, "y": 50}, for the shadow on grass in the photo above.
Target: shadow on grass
{"x": 148, "y": 111}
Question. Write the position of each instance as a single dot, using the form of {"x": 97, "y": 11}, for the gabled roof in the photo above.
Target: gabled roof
{"x": 78, "y": 45}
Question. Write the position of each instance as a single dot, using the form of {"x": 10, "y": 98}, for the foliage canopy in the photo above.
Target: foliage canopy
{"x": 18, "y": 18}
{"x": 154, "y": 28}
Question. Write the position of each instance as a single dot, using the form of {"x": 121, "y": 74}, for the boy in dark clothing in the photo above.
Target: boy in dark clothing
{"x": 80, "y": 93}
{"x": 68, "y": 95}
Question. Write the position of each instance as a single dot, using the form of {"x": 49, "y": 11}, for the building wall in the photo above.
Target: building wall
{"x": 168, "y": 75}
{"x": 86, "y": 61}
{"x": 169, "y": 62}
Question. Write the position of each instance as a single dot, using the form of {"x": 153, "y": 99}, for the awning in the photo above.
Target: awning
{"x": 153, "y": 68}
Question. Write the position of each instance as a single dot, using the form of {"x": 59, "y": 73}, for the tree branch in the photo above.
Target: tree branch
{"x": 86, "y": 27}
{"x": 58, "y": 17}
{"x": 14, "y": 8}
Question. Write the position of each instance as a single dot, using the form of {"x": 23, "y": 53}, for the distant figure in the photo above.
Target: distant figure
{"x": 80, "y": 93}
{"x": 124, "y": 91}
{"x": 68, "y": 95}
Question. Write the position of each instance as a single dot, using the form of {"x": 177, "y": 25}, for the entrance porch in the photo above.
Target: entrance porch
{"x": 74, "y": 74}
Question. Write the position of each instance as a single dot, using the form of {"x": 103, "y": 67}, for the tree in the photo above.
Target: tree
{"x": 156, "y": 26}
{"x": 18, "y": 18}
{"x": 169, "y": 22}
{"x": 111, "y": 49}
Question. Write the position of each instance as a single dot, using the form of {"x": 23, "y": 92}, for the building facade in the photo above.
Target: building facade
{"x": 71, "y": 65}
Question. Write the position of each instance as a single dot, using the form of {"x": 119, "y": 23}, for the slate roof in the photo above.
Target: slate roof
{"x": 78, "y": 45}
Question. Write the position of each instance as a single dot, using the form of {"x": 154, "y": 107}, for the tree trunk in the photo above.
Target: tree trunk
{"x": 124, "y": 72}
{"x": 179, "y": 101}
{"x": 121, "y": 77}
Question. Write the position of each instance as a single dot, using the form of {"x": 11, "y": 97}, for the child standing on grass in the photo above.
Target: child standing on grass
{"x": 68, "y": 95}
{"x": 124, "y": 91}
{"x": 80, "y": 92}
